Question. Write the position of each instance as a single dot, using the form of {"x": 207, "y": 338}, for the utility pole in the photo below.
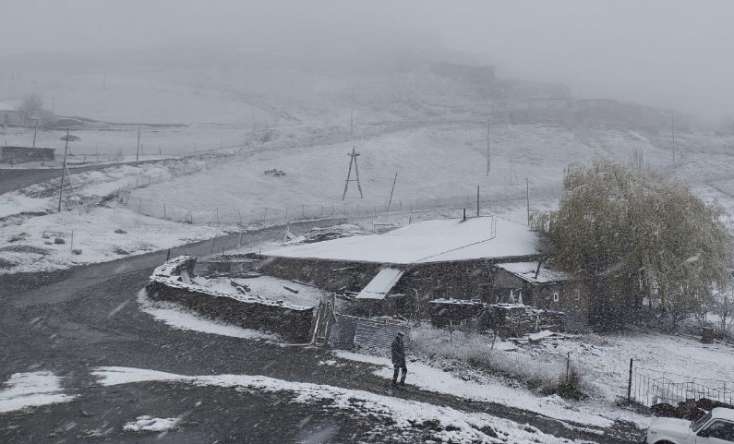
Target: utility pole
{"x": 353, "y": 161}
{"x": 489, "y": 152}
{"x": 137, "y": 150}
{"x": 35, "y": 132}
{"x": 527, "y": 197}
{"x": 477, "y": 200}
{"x": 672, "y": 134}
{"x": 392, "y": 190}
{"x": 63, "y": 168}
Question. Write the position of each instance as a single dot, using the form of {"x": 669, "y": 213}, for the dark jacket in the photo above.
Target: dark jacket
{"x": 398, "y": 351}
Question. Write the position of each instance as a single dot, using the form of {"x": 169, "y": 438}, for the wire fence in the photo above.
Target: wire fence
{"x": 649, "y": 387}
{"x": 283, "y": 215}
{"x": 375, "y": 214}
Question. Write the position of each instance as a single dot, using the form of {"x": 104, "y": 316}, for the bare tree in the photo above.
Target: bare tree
{"x": 723, "y": 306}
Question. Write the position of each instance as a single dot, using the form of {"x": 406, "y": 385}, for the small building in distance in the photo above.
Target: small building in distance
{"x": 22, "y": 154}
{"x": 485, "y": 259}
{"x": 9, "y": 115}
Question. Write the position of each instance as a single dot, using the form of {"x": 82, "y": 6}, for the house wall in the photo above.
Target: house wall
{"x": 476, "y": 279}
{"x": 291, "y": 323}
{"x": 573, "y": 299}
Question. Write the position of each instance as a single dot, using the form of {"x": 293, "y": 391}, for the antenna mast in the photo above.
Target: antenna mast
{"x": 489, "y": 152}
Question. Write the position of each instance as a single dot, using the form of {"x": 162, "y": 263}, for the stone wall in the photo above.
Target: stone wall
{"x": 337, "y": 276}
{"x": 169, "y": 283}
{"x": 292, "y": 324}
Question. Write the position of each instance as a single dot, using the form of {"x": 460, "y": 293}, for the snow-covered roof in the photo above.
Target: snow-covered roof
{"x": 724, "y": 413}
{"x": 264, "y": 290}
{"x": 527, "y": 271}
{"x": 426, "y": 242}
{"x": 381, "y": 284}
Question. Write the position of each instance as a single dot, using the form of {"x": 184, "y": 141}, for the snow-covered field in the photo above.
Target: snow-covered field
{"x": 97, "y": 234}
{"x": 488, "y": 389}
{"x": 434, "y": 164}
{"x": 89, "y": 187}
{"x": 603, "y": 361}
{"x": 30, "y": 390}
{"x": 455, "y": 426}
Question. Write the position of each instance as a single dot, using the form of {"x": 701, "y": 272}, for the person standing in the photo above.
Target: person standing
{"x": 398, "y": 359}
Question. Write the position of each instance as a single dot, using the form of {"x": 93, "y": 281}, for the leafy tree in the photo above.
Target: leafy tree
{"x": 634, "y": 236}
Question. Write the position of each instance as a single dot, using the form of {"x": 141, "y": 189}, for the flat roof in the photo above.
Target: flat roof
{"x": 381, "y": 284}
{"x": 446, "y": 240}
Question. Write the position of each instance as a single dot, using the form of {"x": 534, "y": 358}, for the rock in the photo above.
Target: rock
{"x": 120, "y": 231}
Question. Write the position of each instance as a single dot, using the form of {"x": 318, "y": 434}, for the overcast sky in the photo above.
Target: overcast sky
{"x": 672, "y": 53}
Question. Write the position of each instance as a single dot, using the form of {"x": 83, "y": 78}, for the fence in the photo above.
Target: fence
{"x": 649, "y": 387}
{"x": 373, "y": 215}
{"x": 367, "y": 334}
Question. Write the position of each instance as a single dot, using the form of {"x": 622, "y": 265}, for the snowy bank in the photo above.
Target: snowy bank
{"x": 449, "y": 425}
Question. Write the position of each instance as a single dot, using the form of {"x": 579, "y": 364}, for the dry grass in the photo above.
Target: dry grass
{"x": 475, "y": 350}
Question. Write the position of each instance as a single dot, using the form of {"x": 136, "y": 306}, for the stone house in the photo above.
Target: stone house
{"x": 486, "y": 259}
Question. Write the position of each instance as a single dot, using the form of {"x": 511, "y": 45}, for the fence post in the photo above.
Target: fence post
{"x": 568, "y": 366}
{"x": 629, "y": 384}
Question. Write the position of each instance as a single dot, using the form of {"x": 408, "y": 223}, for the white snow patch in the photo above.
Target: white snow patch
{"x": 464, "y": 427}
{"x": 437, "y": 380}
{"x": 93, "y": 233}
{"x": 147, "y": 423}
{"x": 31, "y": 389}
{"x": 177, "y": 317}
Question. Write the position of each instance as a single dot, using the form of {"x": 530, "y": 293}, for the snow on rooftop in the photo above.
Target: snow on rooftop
{"x": 381, "y": 284}
{"x": 265, "y": 290}
{"x": 426, "y": 242}
{"x": 528, "y": 270}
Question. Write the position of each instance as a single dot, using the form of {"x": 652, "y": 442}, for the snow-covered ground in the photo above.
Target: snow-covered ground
{"x": 31, "y": 389}
{"x": 147, "y": 423}
{"x": 455, "y": 426}
{"x": 98, "y": 234}
{"x": 603, "y": 361}
{"x": 88, "y": 187}
{"x": 490, "y": 389}
{"x": 434, "y": 164}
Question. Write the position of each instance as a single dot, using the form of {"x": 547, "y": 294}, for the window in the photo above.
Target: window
{"x": 723, "y": 430}
{"x": 556, "y": 296}
{"x": 516, "y": 296}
